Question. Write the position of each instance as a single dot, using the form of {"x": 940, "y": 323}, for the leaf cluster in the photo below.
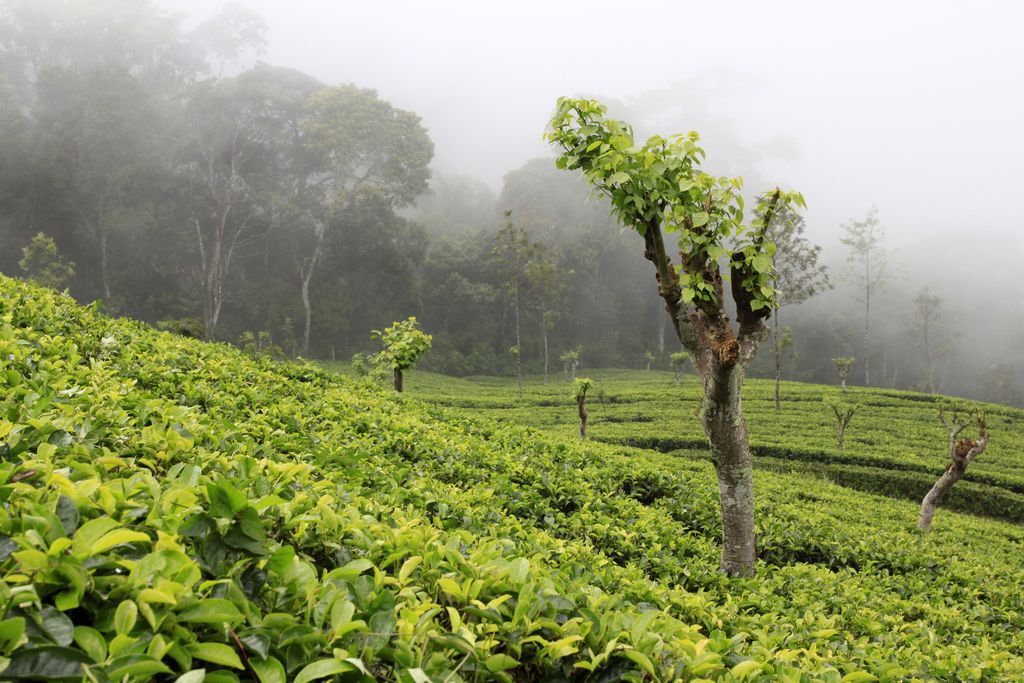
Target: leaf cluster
{"x": 659, "y": 184}
{"x": 404, "y": 344}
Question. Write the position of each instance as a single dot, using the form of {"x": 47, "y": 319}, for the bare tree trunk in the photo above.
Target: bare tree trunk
{"x": 778, "y": 360}
{"x": 931, "y": 501}
{"x": 306, "y": 271}
{"x": 840, "y": 432}
{"x": 307, "y": 308}
{"x": 961, "y": 454}
{"x": 867, "y": 320}
{"x": 661, "y": 337}
{"x": 581, "y": 402}
{"x": 726, "y": 431}
{"x": 104, "y": 268}
{"x": 398, "y": 380}
{"x": 519, "y": 345}
{"x": 544, "y": 331}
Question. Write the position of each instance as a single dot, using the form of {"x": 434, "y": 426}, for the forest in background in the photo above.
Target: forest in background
{"x": 185, "y": 183}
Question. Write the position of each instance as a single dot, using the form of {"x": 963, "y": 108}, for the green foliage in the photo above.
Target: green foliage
{"x": 186, "y": 327}
{"x": 172, "y": 506}
{"x": 679, "y": 359}
{"x": 260, "y": 344}
{"x": 581, "y": 386}
{"x": 43, "y": 264}
{"x": 843, "y": 366}
{"x": 660, "y": 182}
{"x": 404, "y": 344}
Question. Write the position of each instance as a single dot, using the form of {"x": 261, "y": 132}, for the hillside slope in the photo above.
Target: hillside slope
{"x": 172, "y": 506}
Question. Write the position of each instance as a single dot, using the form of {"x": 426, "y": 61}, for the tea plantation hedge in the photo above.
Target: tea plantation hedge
{"x": 174, "y": 510}
{"x": 895, "y": 445}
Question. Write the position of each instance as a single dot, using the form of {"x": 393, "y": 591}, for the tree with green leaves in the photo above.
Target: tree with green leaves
{"x": 531, "y": 279}
{"x": 98, "y": 136}
{"x": 43, "y": 263}
{"x": 843, "y": 411}
{"x": 932, "y": 336}
{"x": 843, "y": 366}
{"x": 230, "y": 129}
{"x": 868, "y": 269}
{"x": 679, "y": 359}
{"x": 658, "y": 189}
{"x": 352, "y": 146}
{"x": 782, "y": 343}
{"x": 799, "y": 275}
{"x": 582, "y": 386}
{"x": 648, "y": 359}
{"x": 961, "y": 453}
{"x": 571, "y": 362}
{"x": 404, "y": 344}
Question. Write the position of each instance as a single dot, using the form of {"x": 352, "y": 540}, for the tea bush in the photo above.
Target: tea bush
{"x": 174, "y": 510}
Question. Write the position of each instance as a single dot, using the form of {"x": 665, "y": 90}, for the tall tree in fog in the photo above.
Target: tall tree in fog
{"x": 798, "y": 276}
{"x": 353, "y": 144}
{"x": 134, "y": 35}
{"x": 868, "y": 271}
{"x": 228, "y": 135}
{"x": 99, "y": 140}
{"x": 546, "y": 286}
{"x": 512, "y": 254}
{"x": 657, "y": 188}
{"x": 932, "y": 336}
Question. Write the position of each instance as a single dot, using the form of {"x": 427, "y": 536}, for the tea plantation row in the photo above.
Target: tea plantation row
{"x": 174, "y": 510}
{"x": 895, "y": 444}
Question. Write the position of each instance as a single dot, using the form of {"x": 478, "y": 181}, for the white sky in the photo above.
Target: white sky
{"x": 915, "y": 107}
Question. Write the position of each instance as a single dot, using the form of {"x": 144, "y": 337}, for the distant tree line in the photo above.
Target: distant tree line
{"x": 170, "y": 174}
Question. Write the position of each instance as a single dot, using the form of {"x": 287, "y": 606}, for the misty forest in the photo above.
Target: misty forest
{"x": 442, "y": 342}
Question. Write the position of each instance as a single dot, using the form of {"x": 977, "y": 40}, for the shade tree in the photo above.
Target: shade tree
{"x": 868, "y": 270}
{"x": 404, "y": 344}
{"x": 657, "y": 188}
{"x": 798, "y": 275}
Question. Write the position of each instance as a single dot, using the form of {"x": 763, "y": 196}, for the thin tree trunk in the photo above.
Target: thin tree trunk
{"x": 581, "y": 402}
{"x": 867, "y": 319}
{"x": 961, "y": 453}
{"x": 398, "y": 380}
{"x": 726, "y": 431}
{"x": 519, "y": 345}
{"x": 307, "y": 307}
{"x": 306, "y": 271}
{"x": 778, "y": 360}
{"x": 932, "y": 499}
{"x": 104, "y": 268}
{"x": 544, "y": 331}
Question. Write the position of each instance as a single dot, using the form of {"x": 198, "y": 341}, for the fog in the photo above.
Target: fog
{"x": 912, "y": 108}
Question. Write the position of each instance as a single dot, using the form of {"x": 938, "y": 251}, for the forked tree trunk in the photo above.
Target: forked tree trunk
{"x": 398, "y": 380}
{"x": 581, "y": 402}
{"x": 961, "y": 453}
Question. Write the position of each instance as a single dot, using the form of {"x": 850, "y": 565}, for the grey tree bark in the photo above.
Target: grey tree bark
{"x": 961, "y": 453}
{"x": 581, "y": 403}
{"x": 720, "y": 358}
